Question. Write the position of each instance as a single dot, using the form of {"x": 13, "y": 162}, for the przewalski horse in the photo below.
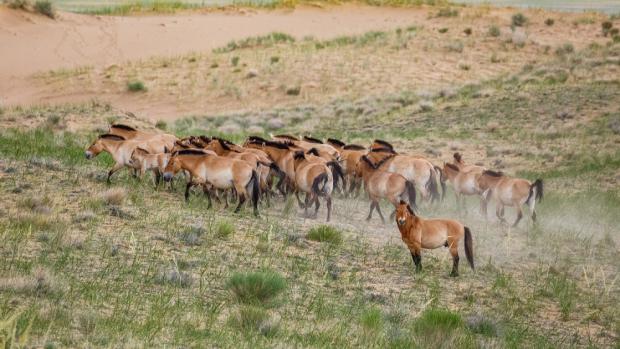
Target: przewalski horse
{"x": 418, "y": 234}
{"x": 464, "y": 183}
{"x": 326, "y": 151}
{"x": 143, "y": 161}
{"x": 220, "y": 172}
{"x": 350, "y": 155}
{"x": 132, "y": 133}
{"x": 316, "y": 180}
{"x": 282, "y": 154}
{"x": 413, "y": 168}
{"x": 509, "y": 191}
{"x": 266, "y": 168}
{"x": 121, "y": 149}
{"x": 380, "y": 184}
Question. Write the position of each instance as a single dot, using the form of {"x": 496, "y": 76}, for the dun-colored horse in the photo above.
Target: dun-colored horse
{"x": 143, "y": 161}
{"x": 508, "y": 191}
{"x": 316, "y": 180}
{"x": 418, "y": 234}
{"x": 380, "y": 184}
{"x": 464, "y": 183}
{"x": 167, "y": 140}
{"x": 220, "y": 172}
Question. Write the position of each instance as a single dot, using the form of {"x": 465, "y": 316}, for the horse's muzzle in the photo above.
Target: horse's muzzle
{"x": 167, "y": 176}
{"x": 401, "y": 221}
{"x": 88, "y": 155}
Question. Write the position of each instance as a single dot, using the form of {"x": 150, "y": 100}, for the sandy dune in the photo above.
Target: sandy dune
{"x": 33, "y": 43}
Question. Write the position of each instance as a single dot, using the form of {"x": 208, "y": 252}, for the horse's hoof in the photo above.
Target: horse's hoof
{"x": 453, "y": 274}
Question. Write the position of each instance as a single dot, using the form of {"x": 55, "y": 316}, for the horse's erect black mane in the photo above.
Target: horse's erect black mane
{"x": 354, "y": 147}
{"x": 292, "y": 138}
{"x": 313, "y": 151}
{"x": 111, "y": 136}
{"x": 312, "y": 140}
{"x": 493, "y": 173}
{"x": 452, "y": 166}
{"x": 383, "y": 150}
{"x": 123, "y": 127}
{"x": 190, "y": 152}
{"x": 336, "y": 142}
{"x": 384, "y": 143}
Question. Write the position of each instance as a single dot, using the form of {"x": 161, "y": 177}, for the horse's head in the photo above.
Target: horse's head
{"x": 172, "y": 168}
{"x": 403, "y": 212}
{"x": 137, "y": 155}
{"x": 98, "y": 145}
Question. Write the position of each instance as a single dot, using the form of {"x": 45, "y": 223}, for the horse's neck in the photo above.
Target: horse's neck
{"x": 112, "y": 147}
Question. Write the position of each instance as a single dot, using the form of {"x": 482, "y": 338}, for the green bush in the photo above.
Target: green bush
{"x": 325, "y": 233}
{"x": 234, "y": 61}
{"x": 136, "y": 86}
{"x": 224, "y": 229}
{"x": 606, "y": 27}
{"x": 494, "y": 31}
{"x": 18, "y": 4}
{"x": 433, "y": 320}
{"x": 256, "y": 287}
{"x": 519, "y": 20}
{"x": 45, "y": 8}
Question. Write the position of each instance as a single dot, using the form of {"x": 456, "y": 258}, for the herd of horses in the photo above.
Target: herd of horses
{"x": 284, "y": 165}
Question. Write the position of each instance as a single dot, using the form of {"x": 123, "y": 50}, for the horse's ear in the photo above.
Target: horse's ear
{"x": 410, "y": 210}
{"x": 402, "y": 202}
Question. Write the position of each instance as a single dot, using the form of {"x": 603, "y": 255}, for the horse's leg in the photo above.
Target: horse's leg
{"x": 379, "y": 211}
{"x": 328, "y": 199}
{"x": 205, "y": 191}
{"x": 114, "y": 168}
{"x": 372, "y": 207}
{"x": 189, "y": 185}
{"x": 395, "y": 203}
{"x": 454, "y": 251}
{"x": 299, "y": 202}
{"x": 499, "y": 212}
{"x": 241, "y": 200}
{"x": 316, "y": 206}
{"x": 306, "y": 204}
{"x": 519, "y": 214}
{"x": 417, "y": 260}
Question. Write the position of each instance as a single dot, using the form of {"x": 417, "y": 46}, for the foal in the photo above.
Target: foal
{"x": 508, "y": 191}
{"x": 418, "y": 234}
{"x": 143, "y": 161}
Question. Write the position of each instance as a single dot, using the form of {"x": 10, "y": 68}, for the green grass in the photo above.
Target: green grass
{"x": 256, "y": 42}
{"x": 325, "y": 233}
{"x": 256, "y": 287}
{"x": 45, "y": 7}
{"x": 136, "y": 86}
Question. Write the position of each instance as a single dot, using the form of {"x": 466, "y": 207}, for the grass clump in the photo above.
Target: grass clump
{"x": 234, "y": 61}
{"x": 256, "y": 287}
{"x": 136, "y": 86}
{"x": 518, "y": 20}
{"x": 606, "y": 27}
{"x": 45, "y": 7}
{"x": 372, "y": 320}
{"x": 18, "y": 4}
{"x": 256, "y": 42}
{"x": 161, "y": 124}
{"x": 437, "y": 320}
{"x": 325, "y": 233}
{"x": 114, "y": 196}
{"x": 549, "y": 22}
{"x": 224, "y": 229}
{"x": 251, "y": 318}
{"x": 448, "y": 12}
{"x": 494, "y": 31}
{"x": 565, "y": 49}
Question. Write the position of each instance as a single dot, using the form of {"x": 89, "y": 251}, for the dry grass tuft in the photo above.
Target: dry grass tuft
{"x": 40, "y": 282}
{"x": 114, "y": 196}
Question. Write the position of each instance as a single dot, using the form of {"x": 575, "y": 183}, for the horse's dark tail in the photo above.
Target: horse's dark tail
{"x": 536, "y": 192}
{"x": 318, "y": 185}
{"x": 338, "y": 173}
{"x": 469, "y": 248}
{"x": 442, "y": 181}
{"x": 410, "y": 187}
{"x": 255, "y": 188}
{"x": 431, "y": 186}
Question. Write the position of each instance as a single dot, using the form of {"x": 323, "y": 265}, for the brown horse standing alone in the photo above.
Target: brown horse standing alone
{"x": 418, "y": 233}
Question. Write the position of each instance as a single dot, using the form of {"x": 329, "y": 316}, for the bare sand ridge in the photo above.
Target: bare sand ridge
{"x": 33, "y": 44}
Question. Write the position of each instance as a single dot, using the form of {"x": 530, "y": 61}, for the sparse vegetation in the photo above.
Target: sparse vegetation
{"x": 494, "y": 31}
{"x": 114, "y": 196}
{"x": 606, "y": 27}
{"x": 448, "y": 12}
{"x": 549, "y": 22}
{"x": 256, "y": 287}
{"x": 518, "y": 20}
{"x": 45, "y": 7}
{"x": 136, "y": 86}
{"x": 325, "y": 233}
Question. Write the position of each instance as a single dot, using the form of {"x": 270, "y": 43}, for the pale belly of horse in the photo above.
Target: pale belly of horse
{"x": 434, "y": 239}
{"x": 221, "y": 179}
